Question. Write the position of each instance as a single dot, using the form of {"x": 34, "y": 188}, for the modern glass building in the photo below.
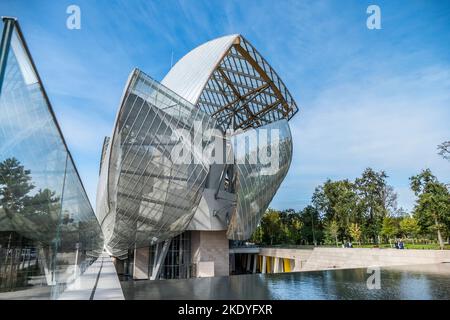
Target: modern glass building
{"x": 49, "y": 233}
{"x": 192, "y": 163}
{"x": 198, "y": 156}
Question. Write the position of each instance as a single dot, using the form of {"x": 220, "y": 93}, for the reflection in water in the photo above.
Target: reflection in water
{"x": 234, "y": 287}
{"x": 405, "y": 282}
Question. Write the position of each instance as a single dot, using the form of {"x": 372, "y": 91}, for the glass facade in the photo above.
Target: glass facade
{"x": 177, "y": 263}
{"x": 257, "y": 181}
{"x": 148, "y": 194}
{"x": 49, "y": 233}
{"x": 148, "y": 191}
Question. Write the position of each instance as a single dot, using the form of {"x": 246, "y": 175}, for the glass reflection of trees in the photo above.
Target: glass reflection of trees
{"x": 39, "y": 237}
{"x": 33, "y": 215}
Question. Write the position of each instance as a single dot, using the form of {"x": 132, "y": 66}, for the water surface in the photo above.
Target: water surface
{"x": 405, "y": 282}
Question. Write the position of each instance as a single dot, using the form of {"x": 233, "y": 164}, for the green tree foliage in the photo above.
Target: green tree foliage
{"x": 432, "y": 209}
{"x": 331, "y": 229}
{"x": 355, "y": 232}
{"x": 363, "y": 210}
{"x": 444, "y": 150}
{"x": 376, "y": 201}
{"x": 312, "y": 226}
{"x": 291, "y": 225}
{"x": 15, "y": 184}
{"x": 401, "y": 213}
{"x": 271, "y": 227}
{"x": 279, "y": 227}
{"x": 27, "y": 213}
{"x": 389, "y": 228}
{"x": 409, "y": 227}
{"x": 337, "y": 201}
{"x": 43, "y": 210}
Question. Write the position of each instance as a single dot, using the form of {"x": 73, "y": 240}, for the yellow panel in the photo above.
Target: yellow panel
{"x": 287, "y": 265}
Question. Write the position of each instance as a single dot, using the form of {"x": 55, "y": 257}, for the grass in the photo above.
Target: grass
{"x": 432, "y": 246}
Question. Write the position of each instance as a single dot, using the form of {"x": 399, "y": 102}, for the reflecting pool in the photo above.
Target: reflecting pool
{"x": 405, "y": 282}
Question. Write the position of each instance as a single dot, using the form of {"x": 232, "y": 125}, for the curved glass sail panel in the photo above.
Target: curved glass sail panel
{"x": 48, "y": 231}
{"x": 263, "y": 157}
{"x": 152, "y": 175}
{"x": 244, "y": 91}
{"x": 229, "y": 79}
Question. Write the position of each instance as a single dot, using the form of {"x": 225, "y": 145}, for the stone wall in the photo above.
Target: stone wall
{"x": 212, "y": 247}
{"x": 333, "y": 258}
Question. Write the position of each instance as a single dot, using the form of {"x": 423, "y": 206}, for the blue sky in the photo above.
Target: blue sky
{"x": 378, "y": 98}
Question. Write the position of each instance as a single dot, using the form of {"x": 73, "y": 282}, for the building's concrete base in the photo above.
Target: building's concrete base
{"x": 210, "y": 253}
{"x": 141, "y": 262}
{"x": 119, "y": 265}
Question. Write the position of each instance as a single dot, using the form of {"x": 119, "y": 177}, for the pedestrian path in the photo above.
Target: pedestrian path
{"x": 98, "y": 282}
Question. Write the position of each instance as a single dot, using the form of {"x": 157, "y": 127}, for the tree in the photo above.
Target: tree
{"x": 432, "y": 209}
{"x": 444, "y": 150}
{"x": 31, "y": 215}
{"x": 271, "y": 226}
{"x": 290, "y": 227}
{"x": 409, "y": 227}
{"x": 355, "y": 232}
{"x": 44, "y": 212}
{"x": 389, "y": 200}
{"x": 257, "y": 236}
{"x": 332, "y": 231}
{"x": 337, "y": 201}
{"x": 389, "y": 228}
{"x": 312, "y": 227}
{"x": 15, "y": 184}
{"x": 401, "y": 213}
{"x": 376, "y": 200}
{"x": 279, "y": 227}
{"x": 294, "y": 230}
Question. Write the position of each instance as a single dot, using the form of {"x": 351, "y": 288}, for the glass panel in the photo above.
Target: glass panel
{"x": 245, "y": 92}
{"x": 152, "y": 195}
{"x": 43, "y": 206}
{"x": 260, "y": 169}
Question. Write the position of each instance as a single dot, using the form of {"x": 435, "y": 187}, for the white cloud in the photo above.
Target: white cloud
{"x": 389, "y": 122}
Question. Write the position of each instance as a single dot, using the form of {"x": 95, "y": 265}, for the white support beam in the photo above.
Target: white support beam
{"x": 264, "y": 264}
{"x": 160, "y": 260}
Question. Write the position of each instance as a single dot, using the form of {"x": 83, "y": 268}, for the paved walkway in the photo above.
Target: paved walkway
{"x": 98, "y": 282}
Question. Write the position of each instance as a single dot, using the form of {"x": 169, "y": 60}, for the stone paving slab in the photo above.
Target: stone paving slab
{"x": 98, "y": 282}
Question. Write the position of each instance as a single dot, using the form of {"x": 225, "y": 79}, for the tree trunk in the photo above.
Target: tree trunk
{"x": 441, "y": 241}
{"x": 337, "y": 245}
